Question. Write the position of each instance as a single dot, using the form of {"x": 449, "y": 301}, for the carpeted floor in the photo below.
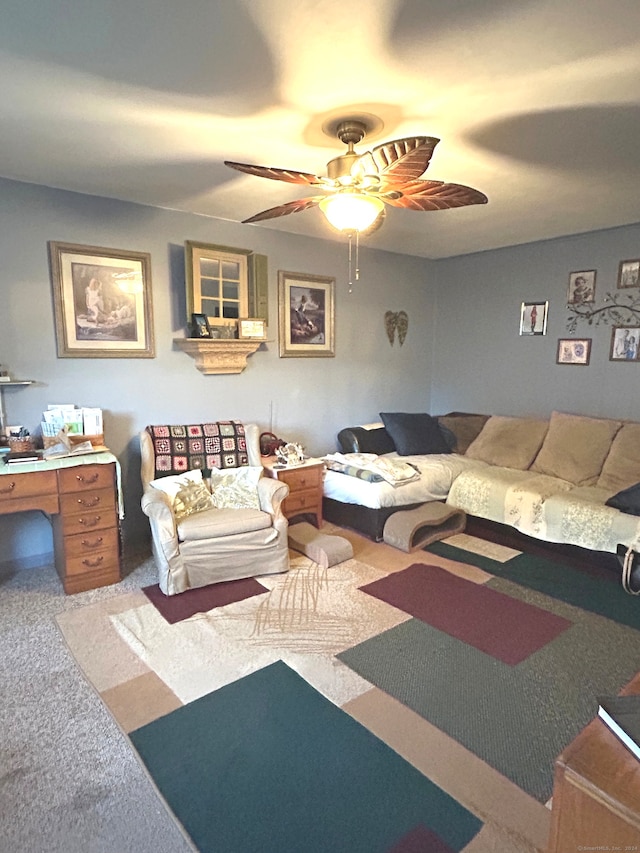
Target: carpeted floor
{"x": 439, "y": 702}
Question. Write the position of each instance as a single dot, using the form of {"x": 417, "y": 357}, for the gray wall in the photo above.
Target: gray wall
{"x": 481, "y": 363}
{"x": 310, "y": 398}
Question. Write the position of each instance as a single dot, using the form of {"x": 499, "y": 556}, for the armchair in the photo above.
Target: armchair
{"x": 212, "y": 545}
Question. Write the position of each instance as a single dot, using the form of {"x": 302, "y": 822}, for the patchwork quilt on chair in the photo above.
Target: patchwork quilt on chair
{"x": 187, "y": 447}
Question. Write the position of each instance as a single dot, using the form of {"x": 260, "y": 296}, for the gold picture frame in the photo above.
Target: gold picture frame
{"x": 252, "y": 328}
{"x": 306, "y": 313}
{"x": 102, "y": 302}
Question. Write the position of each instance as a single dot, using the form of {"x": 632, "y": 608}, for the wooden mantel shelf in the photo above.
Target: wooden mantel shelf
{"x": 218, "y": 356}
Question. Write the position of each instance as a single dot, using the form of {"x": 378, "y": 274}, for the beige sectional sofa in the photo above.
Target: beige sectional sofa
{"x": 548, "y": 478}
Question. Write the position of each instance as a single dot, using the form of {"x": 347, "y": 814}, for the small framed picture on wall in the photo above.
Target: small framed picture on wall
{"x": 533, "y": 318}
{"x": 629, "y": 273}
{"x": 582, "y": 287}
{"x": 624, "y": 343}
{"x": 574, "y": 351}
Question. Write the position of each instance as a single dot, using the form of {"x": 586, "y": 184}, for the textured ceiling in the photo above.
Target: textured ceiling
{"x": 536, "y": 103}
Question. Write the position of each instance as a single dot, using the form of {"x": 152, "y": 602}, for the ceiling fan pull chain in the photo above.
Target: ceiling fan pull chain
{"x": 357, "y": 256}
{"x": 350, "y": 266}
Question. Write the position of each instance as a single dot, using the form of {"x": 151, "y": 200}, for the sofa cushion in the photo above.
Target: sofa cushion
{"x": 414, "y": 433}
{"x": 464, "y": 429}
{"x": 214, "y": 523}
{"x": 508, "y": 442}
{"x": 236, "y": 488}
{"x": 575, "y": 447}
{"x": 621, "y": 468}
{"x": 187, "y": 493}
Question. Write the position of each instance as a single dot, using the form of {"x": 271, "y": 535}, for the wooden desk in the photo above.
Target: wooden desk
{"x": 305, "y": 486}
{"x": 81, "y": 494}
{"x": 596, "y": 792}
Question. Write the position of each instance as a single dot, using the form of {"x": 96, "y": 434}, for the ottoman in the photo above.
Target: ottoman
{"x": 322, "y": 548}
{"x": 412, "y": 529}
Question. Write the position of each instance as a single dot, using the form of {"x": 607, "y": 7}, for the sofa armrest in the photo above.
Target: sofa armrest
{"x": 359, "y": 440}
{"x": 271, "y": 494}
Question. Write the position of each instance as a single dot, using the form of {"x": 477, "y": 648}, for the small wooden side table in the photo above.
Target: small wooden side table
{"x": 596, "y": 793}
{"x": 305, "y": 486}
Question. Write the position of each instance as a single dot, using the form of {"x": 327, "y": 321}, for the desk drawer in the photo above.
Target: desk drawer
{"x": 88, "y": 521}
{"x": 303, "y": 478}
{"x": 82, "y": 477}
{"x": 94, "y": 541}
{"x": 306, "y": 501}
{"x": 14, "y": 486}
{"x": 100, "y": 561}
{"x": 84, "y": 501}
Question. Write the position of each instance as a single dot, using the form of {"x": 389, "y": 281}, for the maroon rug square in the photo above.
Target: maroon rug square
{"x": 175, "y": 608}
{"x": 503, "y": 627}
{"x": 421, "y": 840}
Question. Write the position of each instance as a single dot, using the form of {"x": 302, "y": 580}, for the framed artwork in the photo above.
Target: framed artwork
{"x": 582, "y": 287}
{"x": 629, "y": 273}
{"x": 574, "y": 351}
{"x": 533, "y": 318}
{"x": 306, "y": 315}
{"x": 252, "y": 328}
{"x": 102, "y": 302}
{"x": 200, "y": 327}
{"x": 624, "y": 343}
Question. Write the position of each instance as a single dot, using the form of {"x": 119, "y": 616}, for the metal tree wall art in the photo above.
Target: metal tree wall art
{"x": 396, "y": 321}
{"x": 619, "y": 310}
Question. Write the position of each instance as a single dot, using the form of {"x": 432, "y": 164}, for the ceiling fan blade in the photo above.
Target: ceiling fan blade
{"x": 435, "y": 195}
{"x": 296, "y": 206}
{"x": 288, "y": 175}
{"x": 399, "y": 161}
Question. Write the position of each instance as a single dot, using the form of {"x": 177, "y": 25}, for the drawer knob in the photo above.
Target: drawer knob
{"x": 86, "y": 543}
{"x": 81, "y": 478}
{"x": 92, "y": 564}
{"x": 89, "y": 522}
{"x": 10, "y": 488}
{"x": 89, "y": 502}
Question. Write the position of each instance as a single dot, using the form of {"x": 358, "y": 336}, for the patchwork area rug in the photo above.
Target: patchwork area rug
{"x": 244, "y": 713}
{"x": 268, "y": 764}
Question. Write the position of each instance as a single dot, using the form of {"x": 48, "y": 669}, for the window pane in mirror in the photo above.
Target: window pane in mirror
{"x": 230, "y": 290}
{"x": 210, "y": 287}
{"x": 210, "y": 267}
{"x": 231, "y": 269}
{"x": 230, "y": 310}
{"x": 211, "y": 307}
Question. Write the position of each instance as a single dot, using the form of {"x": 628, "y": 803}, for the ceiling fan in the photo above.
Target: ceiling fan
{"x": 358, "y": 186}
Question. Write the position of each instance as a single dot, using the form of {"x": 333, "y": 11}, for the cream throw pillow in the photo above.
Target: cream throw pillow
{"x": 508, "y": 442}
{"x": 236, "y": 488}
{"x": 575, "y": 448}
{"x": 187, "y": 492}
{"x": 621, "y": 468}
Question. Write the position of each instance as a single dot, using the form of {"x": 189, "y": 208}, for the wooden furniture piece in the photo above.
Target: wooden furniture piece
{"x": 596, "y": 792}
{"x": 81, "y": 494}
{"x": 305, "y": 486}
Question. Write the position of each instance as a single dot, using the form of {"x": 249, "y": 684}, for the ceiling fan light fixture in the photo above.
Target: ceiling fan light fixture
{"x": 351, "y": 211}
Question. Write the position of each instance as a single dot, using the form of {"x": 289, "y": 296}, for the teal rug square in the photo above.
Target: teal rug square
{"x": 269, "y": 765}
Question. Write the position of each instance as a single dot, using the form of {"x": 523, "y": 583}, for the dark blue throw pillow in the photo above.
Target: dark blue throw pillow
{"x": 414, "y": 433}
{"x": 628, "y": 500}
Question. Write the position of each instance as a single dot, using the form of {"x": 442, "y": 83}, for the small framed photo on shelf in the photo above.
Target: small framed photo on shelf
{"x": 582, "y": 287}
{"x": 629, "y": 273}
{"x": 251, "y": 328}
{"x": 574, "y": 351}
{"x": 200, "y": 327}
{"x": 624, "y": 343}
{"x": 533, "y": 318}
